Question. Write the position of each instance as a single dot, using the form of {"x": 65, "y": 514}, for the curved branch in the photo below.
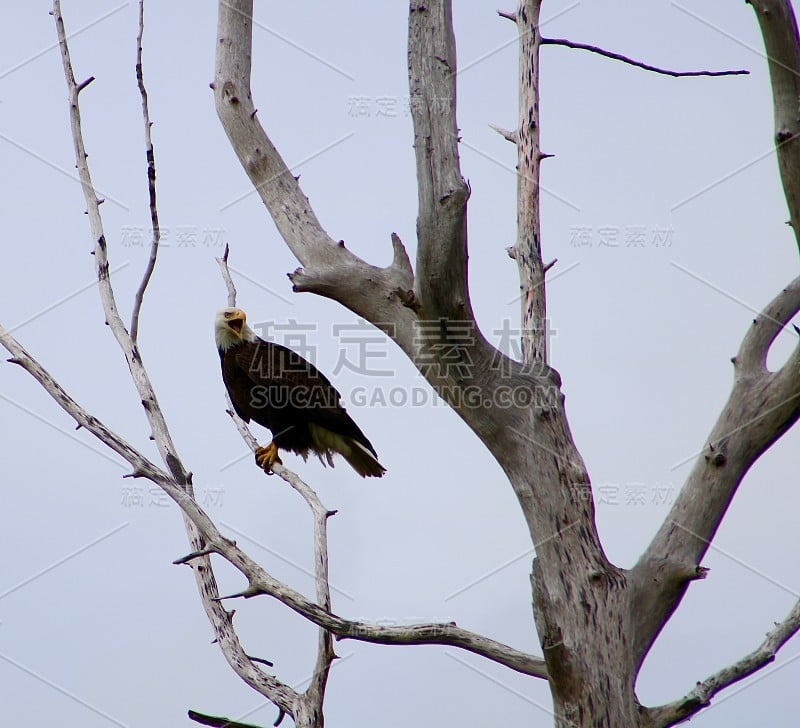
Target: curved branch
{"x": 700, "y": 697}
{"x": 638, "y": 64}
{"x": 408, "y": 308}
{"x": 329, "y": 268}
{"x": 782, "y": 44}
{"x": 271, "y": 177}
{"x": 762, "y": 406}
{"x": 752, "y": 356}
{"x": 151, "y": 183}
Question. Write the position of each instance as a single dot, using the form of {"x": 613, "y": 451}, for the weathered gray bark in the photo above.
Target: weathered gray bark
{"x": 595, "y": 621}
{"x": 779, "y": 30}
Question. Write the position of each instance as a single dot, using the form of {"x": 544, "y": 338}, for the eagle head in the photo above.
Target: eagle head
{"x": 230, "y": 328}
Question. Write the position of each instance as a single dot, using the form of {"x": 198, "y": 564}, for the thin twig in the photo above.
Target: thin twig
{"x": 638, "y": 64}
{"x": 213, "y": 720}
{"x": 703, "y": 692}
{"x": 226, "y": 276}
{"x": 151, "y": 182}
{"x": 511, "y": 136}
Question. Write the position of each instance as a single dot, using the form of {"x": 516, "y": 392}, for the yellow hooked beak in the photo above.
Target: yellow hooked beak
{"x": 236, "y": 321}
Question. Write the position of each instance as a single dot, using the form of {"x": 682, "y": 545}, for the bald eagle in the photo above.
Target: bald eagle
{"x": 277, "y": 388}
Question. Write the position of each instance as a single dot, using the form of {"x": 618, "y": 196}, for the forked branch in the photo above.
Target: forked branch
{"x": 220, "y": 618}
{"x": 392, "y": 298}
{"x": 763, "y": 405}
{"x": 329, "y": 269}
{"x": 178, "y": 485}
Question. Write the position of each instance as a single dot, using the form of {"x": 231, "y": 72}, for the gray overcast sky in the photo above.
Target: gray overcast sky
{"x": 664, "y": 208}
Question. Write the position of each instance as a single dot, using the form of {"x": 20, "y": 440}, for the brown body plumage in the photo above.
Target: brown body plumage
{"x": 277, "y": 388}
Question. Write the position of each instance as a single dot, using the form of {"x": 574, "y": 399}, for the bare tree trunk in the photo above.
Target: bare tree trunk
{"x": 595, "y": 621}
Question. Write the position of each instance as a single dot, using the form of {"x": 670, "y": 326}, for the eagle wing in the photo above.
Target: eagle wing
{"x": 298, "y": 385}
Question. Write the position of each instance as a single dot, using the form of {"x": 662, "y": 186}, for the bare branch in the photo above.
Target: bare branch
{"x": 226, "y": 276}
{"x": 140, "y": 464}
{"x": 638, "y": 64}
{"x": 511, "y": 136}
{"x": 311, "y": 702}
{"x": 392, "y": 298}
{"x": 752, "y": 357}
{"x": 528, "y": 247}
{"x": 782, "y": 44}
{"x": 328, "y": 269}
{"x": 700, "y": 697}
{"x": 272, "y": 179}
{"x": 83, "y": 84}
{"x": 315, "y": 694}
{"x": 214, "y": 720}
{"x": 268, "y": 663}
{"x": 761, "y": 407}
{"x": 178, "y": 486}
{"x": 194, "y": 555}
{"x": 151, "y": 182}
{"x": 444, "y": 634}
{"x": 113, "y": 319}
{"x": 279, "y": 693}
{"x": 442, "y": 280}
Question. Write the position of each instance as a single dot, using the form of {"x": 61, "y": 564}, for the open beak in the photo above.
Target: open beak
{"x": 236, "y": 322}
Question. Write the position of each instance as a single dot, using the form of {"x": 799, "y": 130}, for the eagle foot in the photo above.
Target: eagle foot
{"x": 267, "y": 456}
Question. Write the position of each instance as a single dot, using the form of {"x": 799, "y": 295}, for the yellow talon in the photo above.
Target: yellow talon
{"x": 267, "y": 456}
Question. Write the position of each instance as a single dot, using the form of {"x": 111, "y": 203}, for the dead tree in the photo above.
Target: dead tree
{"x": 596, "y": 622}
